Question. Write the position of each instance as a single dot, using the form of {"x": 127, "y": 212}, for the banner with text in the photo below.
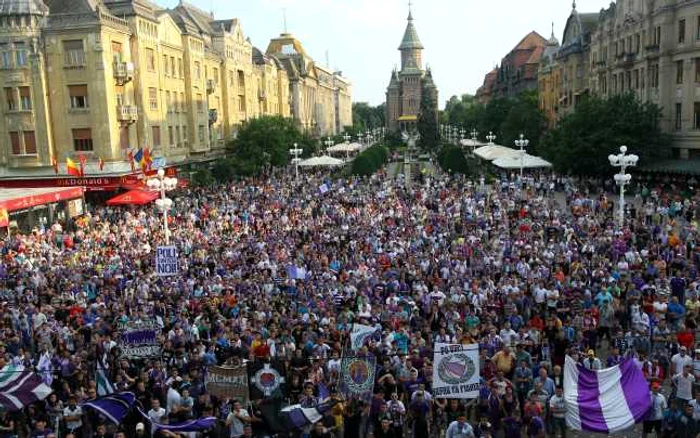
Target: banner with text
{"x": 228, "y": 382}
{"x": 456, "y": 371}
{"x": 139, "y": 339}
{"x": 166, "y": 261}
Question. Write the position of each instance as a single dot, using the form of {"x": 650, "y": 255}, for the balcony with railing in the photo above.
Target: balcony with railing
{"x": 127, "y": 113}
{"x": 626, "y": 60}
{"x": 213, "y": 116}
{"x": 211, "y": 86}
{"x": 123, "y": 72}
{"x": 652, "y": 51}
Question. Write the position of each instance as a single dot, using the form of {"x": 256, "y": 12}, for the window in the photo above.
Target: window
{"x": 184, "y": 134}
{"x": 155, "y": 132}
{"x": 197, "y": 71}
{"x": 697, "y": 70}
{"x": 215, "y": 74}
{"x": 124, "y": 137}
{"x": 150, "y": 60}
{"x": 696, "y": 115}
{"x": 172, "y": 66}
{"x": 153, "y": 98}
{"x": 679, "y": 72}
{"x": 78, "y": 96}
{"x": 170, "y": 135}
{"x": 29, "y": 142}
{"x": 73, "y": 53}
{"x": 200, "y": 104}
{"x": 656, "y": 38}
{"x": 179, "y": 68}
{"x": 82, "y": 139}
{"x": 168, "y": 102}
{"x": 116, "y": 51}
{"x": 20, "y": 55}
{"x": 177, "y": 134}
{"x": 14, "y": 141}
{"x": 697, "y": 29}
{"x": 11, "y": 99}
{"x": 681, "y": 31}
{"x": 679, "y": 116}
{"x": 636, "y": 79}
{"x": 119, "y": 94}
{"x": 182, "y": 101}
{"x": 25, "y": 99}
{"x": 636, "y": 43}
{"x": 6, "y": 59}
{"x": 654, "y": 76}
{"x": 165, "y": 65}
{"x": 201, "y": 133}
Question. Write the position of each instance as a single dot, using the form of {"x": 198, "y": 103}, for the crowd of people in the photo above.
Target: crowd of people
{"x": 530, "y": 274}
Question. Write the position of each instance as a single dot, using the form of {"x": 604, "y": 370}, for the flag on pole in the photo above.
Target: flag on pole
{"x": 82, "y": 159}
{"x": 20, "y": 387}
{"x": 104, "y": 386}
{"x": 72, "y": 168}
{"x": 114, "y": 407}
{"x": 100, "y": 163}
{"x": 359, "y": 335}
{"x": 605, "y": 401}
{"x": 44, "y": 368}
{"x": 296, "y": 417}
{"x": 54, "y": 164}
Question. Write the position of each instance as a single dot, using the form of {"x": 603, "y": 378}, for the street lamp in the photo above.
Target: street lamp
{"x": 522, "y": 144}
{"x": 295, "y": 152}
{"x": 474, "y": 136}
{"x": 328, "y": 144}
{"x": 163, "y": 184}
{"x": 347, "y": 137}
{"x": 491, "y": 137}
{"x": 623, "y": 161}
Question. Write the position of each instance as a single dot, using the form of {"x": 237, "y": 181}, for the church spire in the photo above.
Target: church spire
{"x": 410, "y": 37}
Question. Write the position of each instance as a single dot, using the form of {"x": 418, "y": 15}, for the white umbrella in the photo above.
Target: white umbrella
{"x": 345, "y": 147}
{"x": 324, "y": 160}
{"x": 494, "y": 151}
{"x": 528, "y": 162}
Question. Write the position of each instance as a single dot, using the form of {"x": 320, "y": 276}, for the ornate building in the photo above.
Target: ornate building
{"x": 321, "y": 99}
{"x": 549, "y": 81}
{"x": 517, "y": 72}
{"x": 652, "y": 49}
{"x": 406, "y": 87}
{"x": 101, "y": 79}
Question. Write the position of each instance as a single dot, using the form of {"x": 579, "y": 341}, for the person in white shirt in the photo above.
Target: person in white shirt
{"x": 680, "y": 360}
{"x": 460, "y": 428}
{"x": 237, "y": 420}
{"x": 695, "y": 403}
{"x": 156, "y": 413}
{"x": 72, "y": 415}
{"x": 172, "y": 406}
{"x": 655, "y": 417}
{"x": 592, "y": 362}
{"x": 557, "y": 407}
{"x": 683, "y": 382}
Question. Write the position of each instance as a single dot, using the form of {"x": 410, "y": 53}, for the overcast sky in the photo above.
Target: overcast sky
{"x": 463, "y": 39}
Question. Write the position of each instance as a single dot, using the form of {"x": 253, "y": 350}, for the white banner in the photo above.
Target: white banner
{"x": 166, "y": 261}
{"x": 456, "y": 371}
{"x": 359, "y": 335}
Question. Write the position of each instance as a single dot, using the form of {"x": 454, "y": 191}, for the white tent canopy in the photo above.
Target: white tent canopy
{"x": 528, "y": 162}
{"x": 345, "y": 147}
{"x": 493, "y": 151}
{"x": 323, "y": 161}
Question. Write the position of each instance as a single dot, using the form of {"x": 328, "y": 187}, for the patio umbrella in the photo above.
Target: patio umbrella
{"x": 134, "y": 197}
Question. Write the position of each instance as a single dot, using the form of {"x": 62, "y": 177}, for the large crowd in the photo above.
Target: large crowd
{"x": 530, "y": 273}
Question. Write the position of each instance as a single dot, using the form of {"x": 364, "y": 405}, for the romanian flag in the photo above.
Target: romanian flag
{"x": 72, "y": 168}
{"x": 147, "y": 160}
{"x": 138, "y": 156}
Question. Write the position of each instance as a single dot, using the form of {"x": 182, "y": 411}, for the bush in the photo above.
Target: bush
{"x": 452, "y": 160}
{"x": 370, "y": 160}
{"x": 203, "y": 178}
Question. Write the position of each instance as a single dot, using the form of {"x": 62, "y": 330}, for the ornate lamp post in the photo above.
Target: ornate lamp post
{"x": 474, "y": 136}
{"x": 491, "y": 137}
{"x": 163, "y": 184}
{"x": 295, "y": 152}
{"x": 522, "y": 144}
{"x": 623, "y": 161}
{"x": 328, "y": 144}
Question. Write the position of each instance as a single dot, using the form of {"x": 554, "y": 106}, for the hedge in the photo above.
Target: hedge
{"x": 370, "y": 160}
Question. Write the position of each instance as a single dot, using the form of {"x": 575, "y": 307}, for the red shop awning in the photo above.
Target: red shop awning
{"x": 134, "y": 197}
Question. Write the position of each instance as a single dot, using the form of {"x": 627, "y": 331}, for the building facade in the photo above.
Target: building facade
{"x": 320, "y": 99}
{"x": 407, "y": 86}
{"x": 517, "y": 72}
{"x": 652, "y": 49}
{"x": 102, "y": 79}
{"x": 549, "y": 82}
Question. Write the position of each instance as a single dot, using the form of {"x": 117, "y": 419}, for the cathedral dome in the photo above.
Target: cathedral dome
{"x": 23, "y": 7}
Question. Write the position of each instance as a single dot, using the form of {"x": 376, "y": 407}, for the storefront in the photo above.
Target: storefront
{"x": 24, "y": 209}
{"x": 90, "y": 183}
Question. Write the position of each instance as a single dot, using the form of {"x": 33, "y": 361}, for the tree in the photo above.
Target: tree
{"x": 428, "y": 121}
{"x": 523, "y": 117}
{"x": 265, "y": 141}
{"x": 582, "y": 141}
{"x": 366, "y": 117}
{"x": 452, "y": 160}
{"x": 203, "y": 178}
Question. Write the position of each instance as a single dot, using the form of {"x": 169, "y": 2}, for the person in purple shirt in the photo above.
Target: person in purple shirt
{"x": 615, "y": 358}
